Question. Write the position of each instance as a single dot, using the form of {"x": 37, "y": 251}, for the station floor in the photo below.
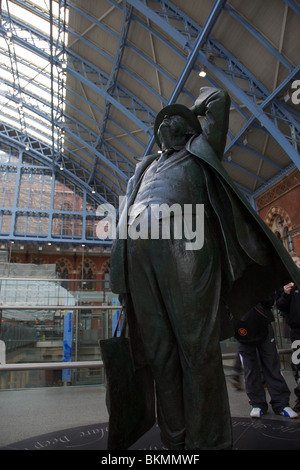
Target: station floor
{"x": 30, "y": 413}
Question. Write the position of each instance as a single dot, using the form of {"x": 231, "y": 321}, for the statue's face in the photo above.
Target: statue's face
{"x": 173, "y": 125}
{"x": 173, "y": 131}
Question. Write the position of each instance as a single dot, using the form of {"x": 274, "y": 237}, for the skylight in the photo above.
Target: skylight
{"x": 32, "y": 68}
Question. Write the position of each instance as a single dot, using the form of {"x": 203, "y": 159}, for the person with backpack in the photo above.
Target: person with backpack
{"x": 260, "y": 359}
{"x": 288, "y": 302}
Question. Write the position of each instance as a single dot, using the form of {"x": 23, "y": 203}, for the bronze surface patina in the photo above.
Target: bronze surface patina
{"x": 177, "y": 298}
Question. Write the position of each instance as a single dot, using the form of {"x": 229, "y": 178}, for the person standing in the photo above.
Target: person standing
{"x": 261, "y": 362}
{"x": 288, "y": 302}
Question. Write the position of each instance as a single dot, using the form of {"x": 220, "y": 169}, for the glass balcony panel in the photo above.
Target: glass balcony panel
{"x": 33, "y": 326}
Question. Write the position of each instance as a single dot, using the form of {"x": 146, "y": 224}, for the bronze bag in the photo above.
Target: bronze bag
{"x": 130, "y": 396}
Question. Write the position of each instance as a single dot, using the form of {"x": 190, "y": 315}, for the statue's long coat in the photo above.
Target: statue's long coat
{"x": 272, "y": 265}
{"x": 241, "y": 263}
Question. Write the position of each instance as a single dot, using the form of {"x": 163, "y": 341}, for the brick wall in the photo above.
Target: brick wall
{"x": 283, "y": 199}
{"x": 73, "y": 261}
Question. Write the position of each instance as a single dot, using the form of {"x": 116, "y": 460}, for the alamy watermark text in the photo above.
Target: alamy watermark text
{"x": 157, "y": 221}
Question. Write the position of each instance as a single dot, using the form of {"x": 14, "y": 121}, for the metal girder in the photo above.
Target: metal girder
{"x": 227, "y": 76}
{"x": 112, "y": 83}
{"x": 48, "y": 105}
{"x": 145, "y": 10}
{"x": 274, "y": 180}
{"x": 129, "y": 46}
{"x": 259, "y": 155}
{"x": 43, "y": 152}
{"x": 79, "y": 133}
{"x": 293, "y": 6}
{"x": 190, "y": 37}
{"x": 42, "y": 205}
{"x": 269, "y": 100}
{"x": 244, "y": 170}
{"x": 99, "y": 85}
{"x": 259, "y": 114}
{"x": 259, "y": 37}
{"x": 99, "y": 155}
{"x": 193, "y": 55}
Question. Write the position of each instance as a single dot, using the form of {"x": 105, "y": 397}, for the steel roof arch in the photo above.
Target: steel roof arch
{"x": 259, "y": 109}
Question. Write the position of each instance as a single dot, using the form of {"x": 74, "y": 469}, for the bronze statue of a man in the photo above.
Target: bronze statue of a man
{"x": 179, "y": 296}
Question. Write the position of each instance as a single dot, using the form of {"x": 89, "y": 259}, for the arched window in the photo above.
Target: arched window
{"x": 87, "y": 276}
{"x": 62, "y": 272}
{"x": 280, "y": 228}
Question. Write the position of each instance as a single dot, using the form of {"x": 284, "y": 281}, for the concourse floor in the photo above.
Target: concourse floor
{"x": 72, "y": 418}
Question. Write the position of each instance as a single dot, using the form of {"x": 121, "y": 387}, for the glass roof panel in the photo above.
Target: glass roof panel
{"x": 32, "y": 86}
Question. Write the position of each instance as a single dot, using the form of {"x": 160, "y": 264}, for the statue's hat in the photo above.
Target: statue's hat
{"x": 180, "y": 110}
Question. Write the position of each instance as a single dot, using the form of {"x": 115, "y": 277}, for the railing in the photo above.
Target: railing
{"x": 32, "y": 327}
{"x": 52, "y": 365}
{"x": 87, "y": 347}
{"x": 89, "y": 364}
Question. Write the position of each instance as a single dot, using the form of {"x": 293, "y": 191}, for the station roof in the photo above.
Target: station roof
{"x": 82, "y": 82}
